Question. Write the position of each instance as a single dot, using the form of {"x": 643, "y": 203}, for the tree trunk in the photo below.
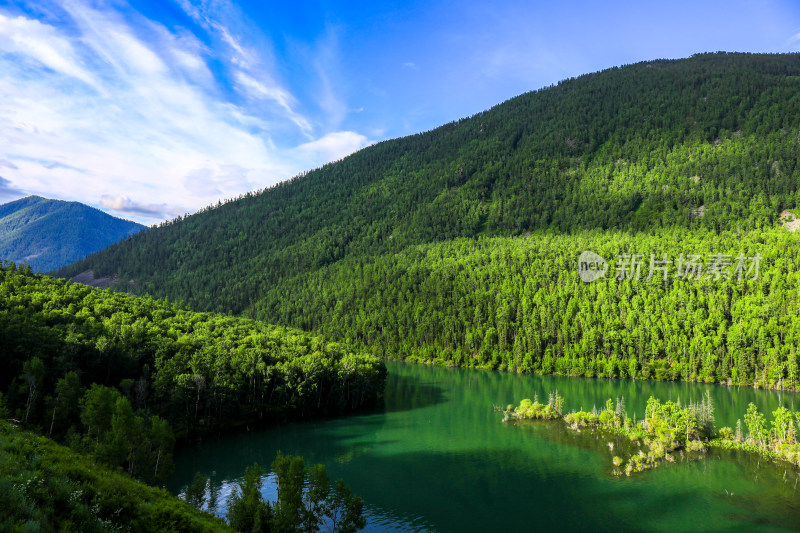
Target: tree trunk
{"x": 31, "y": 396}
{"x": 52, "y": 422}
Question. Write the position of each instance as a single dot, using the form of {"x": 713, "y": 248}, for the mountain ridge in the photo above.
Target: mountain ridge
{"x": 574, "y": 155}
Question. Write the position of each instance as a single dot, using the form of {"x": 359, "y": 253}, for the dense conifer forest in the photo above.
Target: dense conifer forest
{"x": 518, "y": 304}
{"x": 460, "y": 245}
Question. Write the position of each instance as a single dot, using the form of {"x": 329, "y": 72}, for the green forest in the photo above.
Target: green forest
{"x": 518, "y": 304}
{"x": 119, "y": 378}
{"x": 460, "y": 245}
{"x": 197, "y": 371}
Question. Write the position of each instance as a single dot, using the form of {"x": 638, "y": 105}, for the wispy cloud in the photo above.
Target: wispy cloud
{"x": 32, "y": 40}
{"x": 215, "y": 181}
{"x": 110, "y": 108}
{"x": 325, "y": 57}
{"x": 794, "y": 42}
{"x": 248, "y": 67}
{"x": 269, "y": 91}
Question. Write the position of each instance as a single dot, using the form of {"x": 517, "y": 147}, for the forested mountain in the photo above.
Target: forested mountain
{"x": 117, "y": 378}
{"x": 48, "y": 234}
{"x": 460, "y": 245}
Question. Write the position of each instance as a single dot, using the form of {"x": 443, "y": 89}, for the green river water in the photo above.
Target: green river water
{"x": 437, "y": 458}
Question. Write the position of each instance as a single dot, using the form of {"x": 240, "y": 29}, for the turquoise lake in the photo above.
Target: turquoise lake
{"x": 436, "y": 457}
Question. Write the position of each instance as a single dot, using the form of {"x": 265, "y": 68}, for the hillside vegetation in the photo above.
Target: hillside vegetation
{"x": 416, "y": 247}
{"x": 518, "y": 304}
{"x": 47, "y": 487}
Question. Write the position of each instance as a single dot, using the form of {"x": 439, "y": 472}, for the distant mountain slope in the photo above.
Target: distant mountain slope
{"x": 47, "y": 234}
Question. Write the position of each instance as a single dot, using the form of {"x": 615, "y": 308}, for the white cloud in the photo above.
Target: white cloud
{"x": 270, "y": 91}
{"x": 243, "y": 58}
{"x": 325, "y": 57}
{"x": 334, "y": 146}
{"x": 122, "y": 112}
{"x": 189, "y": 61}
{"x": 126, "y": 206}
{"x": 249, "y": 67}
{"x": 136, "y": 54}
{"x": 217, "y": 181}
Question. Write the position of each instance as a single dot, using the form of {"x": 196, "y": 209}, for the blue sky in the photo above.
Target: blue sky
{"x": 154, "y": 108}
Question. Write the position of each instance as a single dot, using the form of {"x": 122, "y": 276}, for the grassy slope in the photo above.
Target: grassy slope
{"x": 48, "y": 487}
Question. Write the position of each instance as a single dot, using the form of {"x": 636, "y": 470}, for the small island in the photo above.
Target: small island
{"x": 670, "y": 429}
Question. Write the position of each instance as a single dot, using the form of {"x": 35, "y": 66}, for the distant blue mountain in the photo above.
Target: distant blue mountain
{"x": 48, "y": 234}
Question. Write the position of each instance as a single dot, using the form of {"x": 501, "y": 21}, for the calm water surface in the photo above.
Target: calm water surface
{"x": 437, "y": 458}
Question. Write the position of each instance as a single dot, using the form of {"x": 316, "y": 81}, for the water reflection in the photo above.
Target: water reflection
{"x": 407, "y": 392}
